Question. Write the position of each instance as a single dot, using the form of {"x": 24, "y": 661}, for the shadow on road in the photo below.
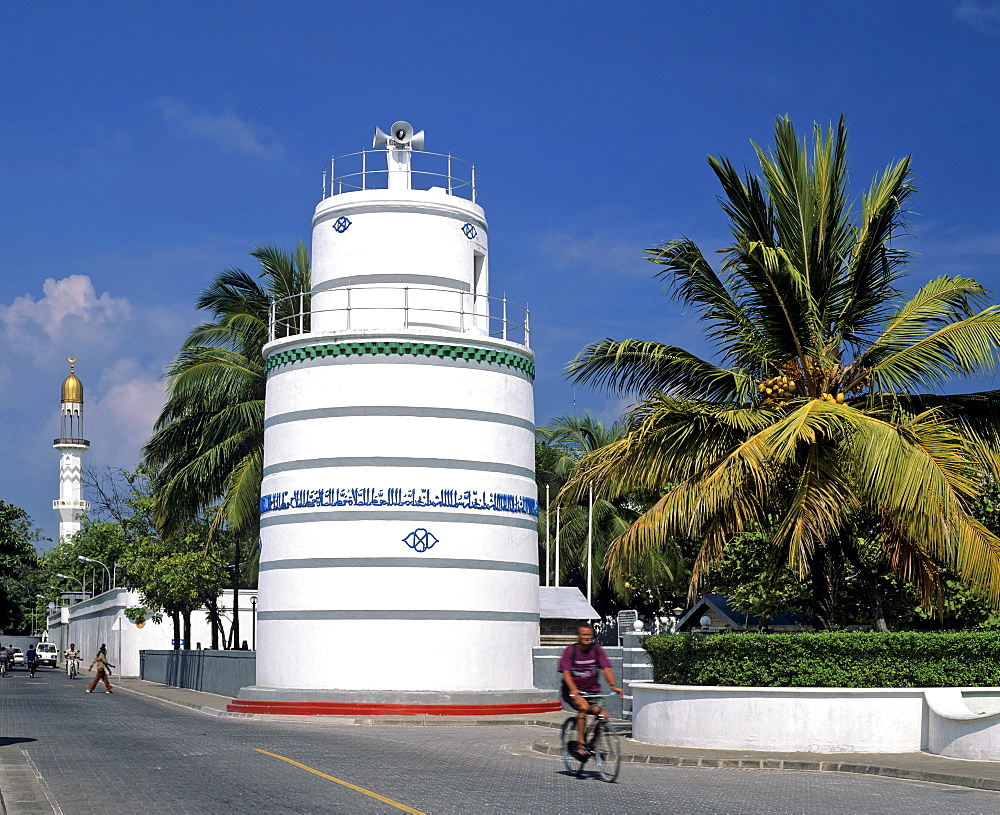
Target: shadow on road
{"x": 5, "y": 741}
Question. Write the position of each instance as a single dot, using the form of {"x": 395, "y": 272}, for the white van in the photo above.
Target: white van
{"x": 47, "y": 654}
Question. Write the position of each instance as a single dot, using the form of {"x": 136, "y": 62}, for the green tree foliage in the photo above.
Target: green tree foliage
{"x": 18, "y": 569}
{"x": 176, "y": 574}
{"x": 563, "y": 442}
{"x": 208, "y": 446}
{"x": 823, "y": 411}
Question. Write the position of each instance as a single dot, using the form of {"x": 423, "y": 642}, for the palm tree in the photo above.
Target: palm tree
{"x": 208, "y": 444}
{"x": 820, "y": 422}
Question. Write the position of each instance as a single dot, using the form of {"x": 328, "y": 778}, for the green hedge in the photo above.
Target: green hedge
{"x": 828, "y": 660}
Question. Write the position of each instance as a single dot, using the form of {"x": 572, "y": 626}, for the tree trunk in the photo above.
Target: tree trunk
{"x": 175, "y": 618}
{"x": 878, "y": 612}
{"x": 213, "y": 621}
{"x": 235, "y": 633}
{"x": 187, "y": 629}
{"x": 821, "y": 569}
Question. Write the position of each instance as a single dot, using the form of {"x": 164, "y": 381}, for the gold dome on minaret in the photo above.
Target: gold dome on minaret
{"x": 72, "y": 387}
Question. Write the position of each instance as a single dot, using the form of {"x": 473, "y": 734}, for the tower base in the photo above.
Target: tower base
{"x": 289, "y": 701}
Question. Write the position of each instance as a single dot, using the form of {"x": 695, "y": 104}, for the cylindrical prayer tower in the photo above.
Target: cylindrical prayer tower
{"x": 398, "y": 568}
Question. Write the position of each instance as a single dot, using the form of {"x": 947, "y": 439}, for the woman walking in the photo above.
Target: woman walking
{"x": 103, "y": 670}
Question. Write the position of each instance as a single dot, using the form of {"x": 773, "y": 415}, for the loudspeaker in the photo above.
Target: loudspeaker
{"x": 380, "y": 138}
{"x": 402, "y": 132}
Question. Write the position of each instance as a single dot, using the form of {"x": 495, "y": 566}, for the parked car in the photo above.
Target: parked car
{"x": 47, "y": 654}
{"x": 18, "y": 656}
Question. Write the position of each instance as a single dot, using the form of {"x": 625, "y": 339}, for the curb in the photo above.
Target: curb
{"x": 989, "y": 784}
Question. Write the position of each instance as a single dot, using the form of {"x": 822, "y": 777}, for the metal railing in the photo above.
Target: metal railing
{"x": 368, "y": 170}
{"x": 378, "y": 307}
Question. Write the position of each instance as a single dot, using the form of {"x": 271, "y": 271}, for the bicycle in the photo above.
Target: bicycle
{"x": 32, "y": 664}
{"x": 601, "y": 742}
{"x": 3, "y": 667}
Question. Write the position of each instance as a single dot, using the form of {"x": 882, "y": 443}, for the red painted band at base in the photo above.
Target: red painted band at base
{"x": 379, "y": 709}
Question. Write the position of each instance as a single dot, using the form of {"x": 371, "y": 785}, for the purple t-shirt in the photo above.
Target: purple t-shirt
{"x": 585, "y": 666}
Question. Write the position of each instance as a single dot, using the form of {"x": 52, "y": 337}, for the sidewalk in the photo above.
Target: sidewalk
{"x": 980, "y": 775}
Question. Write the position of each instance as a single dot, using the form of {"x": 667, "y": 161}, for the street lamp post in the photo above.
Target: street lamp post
{"x": 83, "y": 559}
{"x": 70, "y": 577}
{"x": 253, "y": 602}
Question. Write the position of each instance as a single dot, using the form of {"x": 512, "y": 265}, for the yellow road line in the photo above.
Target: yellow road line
{"x": 354, "y": 787}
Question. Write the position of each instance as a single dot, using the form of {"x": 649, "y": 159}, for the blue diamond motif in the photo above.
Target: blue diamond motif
{"x": 420, "y": 540}
{"x": 342, "y": 223}
{"x": 469, "y": 230}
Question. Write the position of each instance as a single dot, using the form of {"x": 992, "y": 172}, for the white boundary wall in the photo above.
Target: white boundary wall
{"x": 807, "y": 720}
{"x": 92, "y": 622}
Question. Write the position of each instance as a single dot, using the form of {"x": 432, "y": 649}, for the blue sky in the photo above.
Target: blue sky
{"x": 147, "y": 147}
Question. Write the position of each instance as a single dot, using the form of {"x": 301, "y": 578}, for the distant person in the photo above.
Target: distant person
{"x": 72, "y": 658}
{"x": 31, "y": 660}
{"x": 103, "y": 670}
{"x": 581, "y": 665}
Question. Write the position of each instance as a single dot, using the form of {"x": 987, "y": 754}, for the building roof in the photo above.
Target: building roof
{"x": 564, "y": 603}
{"x": 736, "y": 619}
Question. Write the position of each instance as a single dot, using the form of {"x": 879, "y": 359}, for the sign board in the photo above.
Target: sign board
{"x": 117, "y": 625}
{"x": 625, "y": 620}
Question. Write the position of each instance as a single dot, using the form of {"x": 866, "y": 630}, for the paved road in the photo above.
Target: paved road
{"x": 98, "y": 753}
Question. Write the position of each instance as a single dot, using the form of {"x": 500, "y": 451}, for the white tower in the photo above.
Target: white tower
{"x": 398, "y": 510}
{"x": 71, "y": 509}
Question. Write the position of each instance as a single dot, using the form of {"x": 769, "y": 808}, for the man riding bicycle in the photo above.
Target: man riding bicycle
{"x": 580, "y": 666}
{"x": 72, "y": 660}
{"x": 4, "y": 661}
{"x": 31, "y": 660}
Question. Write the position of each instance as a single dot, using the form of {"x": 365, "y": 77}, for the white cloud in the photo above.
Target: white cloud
{"x": 69, "y": 308}
{"x": 226, "y": 129}
{"x": 982, "y": 15}
{"x": 121, "y": 419}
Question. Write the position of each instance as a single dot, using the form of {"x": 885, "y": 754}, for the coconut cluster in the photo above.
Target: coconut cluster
{"x": 791, "y": 381}
{"x": 778, "y": 390}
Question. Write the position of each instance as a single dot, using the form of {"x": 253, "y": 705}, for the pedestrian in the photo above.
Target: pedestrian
{"x": 103, "y": 670}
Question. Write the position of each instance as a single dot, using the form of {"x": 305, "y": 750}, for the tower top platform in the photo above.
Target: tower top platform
{"x": 374, "y": 170}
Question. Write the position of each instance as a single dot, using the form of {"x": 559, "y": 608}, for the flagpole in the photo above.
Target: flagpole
{"x": 547, "y": 557}
{"x": 590, "y": 546}
{"x": 557, "y": 547}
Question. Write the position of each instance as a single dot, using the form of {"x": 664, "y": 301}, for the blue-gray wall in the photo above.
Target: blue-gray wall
{"x": 225, "y": 672}
{"x": 221, "y": 672}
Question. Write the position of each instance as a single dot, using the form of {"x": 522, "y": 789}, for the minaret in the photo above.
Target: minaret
{"x": 71, "y": 509}
{"x": 399, "y": 508}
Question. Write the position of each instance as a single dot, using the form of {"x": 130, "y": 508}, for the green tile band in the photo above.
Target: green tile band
{"x": 416, "y": 349}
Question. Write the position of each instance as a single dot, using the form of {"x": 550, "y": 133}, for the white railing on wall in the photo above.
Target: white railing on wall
{"x": 378, "y": 307}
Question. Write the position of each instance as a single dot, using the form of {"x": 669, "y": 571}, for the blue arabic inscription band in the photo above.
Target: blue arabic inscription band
{"x": 397, "y": 497}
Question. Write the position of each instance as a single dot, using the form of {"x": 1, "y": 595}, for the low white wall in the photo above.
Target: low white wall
{"x": 964, "y": 723}
{"x": 93, "y": 622}
{"x": 808, "y": 720}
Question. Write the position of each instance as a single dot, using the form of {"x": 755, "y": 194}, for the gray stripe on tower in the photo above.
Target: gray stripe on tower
{"x": 408, "y": 279}
{"x": 399, "y": 562}
{"x": 399, "y": 461}
{"x": 393, "y": 410}
{"x": 413, "y": 614}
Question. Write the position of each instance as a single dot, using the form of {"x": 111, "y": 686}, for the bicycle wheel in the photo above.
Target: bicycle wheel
{"x": 571, "y": 762}
{"x": 607, "y": 752}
